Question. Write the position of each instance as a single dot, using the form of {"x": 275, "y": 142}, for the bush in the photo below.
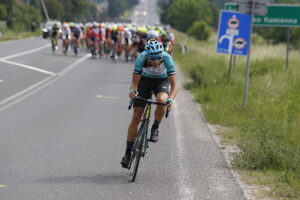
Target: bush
{"x": 200, "y": 30}
{"x": 3, "y": 13}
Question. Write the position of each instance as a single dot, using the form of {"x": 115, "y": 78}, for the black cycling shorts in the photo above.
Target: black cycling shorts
{"x": 147, "y": 85}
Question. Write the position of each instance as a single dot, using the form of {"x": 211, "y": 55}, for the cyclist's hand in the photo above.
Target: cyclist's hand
{"x": 133, "y": 93}
{"x": 169, "y": 103}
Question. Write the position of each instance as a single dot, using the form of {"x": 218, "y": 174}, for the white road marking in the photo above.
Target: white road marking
{"x": 1, "y": 81}
{"x": 185, "y": 190}
{"x": 106, "y": 97}
{"x": 28, "y": 67}
{"x": 25, "y": 52}
{"x": 37, "y": 87}
{"x": 23, "y": 92}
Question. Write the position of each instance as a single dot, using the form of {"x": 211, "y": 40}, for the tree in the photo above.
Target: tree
{"x": 3, "y": 12}
{"x": 183, "y": 13}
{"x": 55, "y": 9}
{"x": 115, "y": 8}
{"x": 200, "y": 30}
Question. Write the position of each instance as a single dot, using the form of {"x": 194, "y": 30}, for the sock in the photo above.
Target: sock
{"x": 155, "y": 124}
{"x": 129, "y": 147}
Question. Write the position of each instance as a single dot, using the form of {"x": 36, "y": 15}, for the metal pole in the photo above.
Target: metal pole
{"x": 45, "y": 9}
{"x": 229, "y": 70}
{"x": 234, "y": 63}
{"x": 287, "y": 48}
{"x": 248, "y": 60}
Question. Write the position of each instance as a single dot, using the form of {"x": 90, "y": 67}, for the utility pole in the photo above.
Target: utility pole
{"x": 45, "y": 9}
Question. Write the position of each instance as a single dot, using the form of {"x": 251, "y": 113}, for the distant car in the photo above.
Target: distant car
{"x": 47, "y": 28}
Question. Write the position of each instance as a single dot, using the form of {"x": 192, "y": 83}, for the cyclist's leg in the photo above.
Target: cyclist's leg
{"x": 162, "y": 93}
{"x": 160, "y": 110}
{"x": 133, "y": 126}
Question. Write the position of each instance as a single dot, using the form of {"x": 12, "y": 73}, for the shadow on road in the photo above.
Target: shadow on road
{"x": 101, "y": 179}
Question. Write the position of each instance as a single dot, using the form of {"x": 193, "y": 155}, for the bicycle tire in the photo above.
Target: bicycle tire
{"x": 137, "y": 159}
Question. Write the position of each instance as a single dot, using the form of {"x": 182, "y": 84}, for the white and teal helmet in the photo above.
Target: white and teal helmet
{"x": 154, "y": 48}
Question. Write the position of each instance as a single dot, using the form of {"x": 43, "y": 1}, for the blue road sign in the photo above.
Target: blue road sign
{"x": 234, "y": 33}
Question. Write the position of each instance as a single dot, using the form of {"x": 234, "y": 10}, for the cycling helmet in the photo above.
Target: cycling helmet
{"x": 154, "y": 48}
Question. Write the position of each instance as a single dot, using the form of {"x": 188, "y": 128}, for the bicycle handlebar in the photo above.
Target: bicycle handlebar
{"x": 148, "y": 101}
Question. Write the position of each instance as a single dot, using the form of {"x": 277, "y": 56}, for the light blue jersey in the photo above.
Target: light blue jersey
{"x": 143, "y": 67}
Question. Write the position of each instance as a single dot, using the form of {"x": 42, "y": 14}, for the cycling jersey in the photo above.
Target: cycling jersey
{"x": 66, "y": 32}
{"x": 101, "y": 34}
{"x": 143, "y": 66}
{"x": 94, "y": 35}
{"x": 77, "y": 33}
{"x": 54, "y": 31}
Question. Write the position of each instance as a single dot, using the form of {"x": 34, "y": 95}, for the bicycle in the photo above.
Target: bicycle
{"x": 140, "y": 144}
{"x": 65, "y": 46}
{"x": 93, "y": 49}
{"x": 53, "y": 44}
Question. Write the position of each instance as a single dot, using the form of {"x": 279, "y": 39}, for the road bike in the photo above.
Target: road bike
{"x": 53, "y": 44}
{"x": 140, "y": 144}
{"x": 65, "y": 46}
{"x": 93, "y": 49}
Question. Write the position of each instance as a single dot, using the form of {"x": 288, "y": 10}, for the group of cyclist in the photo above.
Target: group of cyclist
{"x": 110, "y": 40}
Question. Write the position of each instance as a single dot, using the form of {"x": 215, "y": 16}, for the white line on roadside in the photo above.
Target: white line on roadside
{"x": 28, "y": 67}
{"x": 37, "y": 87}
{"x": 19, "y": 94}
{"x": 185, "y": 190}
{"x": 1, "y": 81}
{"x": 25, "y": 52}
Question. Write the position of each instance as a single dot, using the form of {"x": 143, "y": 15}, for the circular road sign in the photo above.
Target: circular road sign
{"x": 233, "y": 22}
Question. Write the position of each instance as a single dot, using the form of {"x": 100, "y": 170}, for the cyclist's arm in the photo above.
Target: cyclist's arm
{"x": 169, "y": 63}
{"x": 173, "y": 84}
{"x": 135, "y": 81}
{"x": 138, "y": 69}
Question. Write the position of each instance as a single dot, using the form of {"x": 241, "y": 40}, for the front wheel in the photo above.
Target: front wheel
{"x": 138, "y": 154}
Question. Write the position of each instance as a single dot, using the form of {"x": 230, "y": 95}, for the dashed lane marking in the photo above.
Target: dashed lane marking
{"x": 106, "y": 97}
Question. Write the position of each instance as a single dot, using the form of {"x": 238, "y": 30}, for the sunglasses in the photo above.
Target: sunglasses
{"x": 158, "y": 58}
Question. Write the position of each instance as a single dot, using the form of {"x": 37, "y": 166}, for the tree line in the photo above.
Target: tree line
{"x": 199, "y": 17}
{"x": 19, "y": 14}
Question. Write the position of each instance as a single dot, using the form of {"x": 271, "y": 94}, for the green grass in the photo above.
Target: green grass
{"x": 15, "y": 35}
{"x": 267, "y": 131}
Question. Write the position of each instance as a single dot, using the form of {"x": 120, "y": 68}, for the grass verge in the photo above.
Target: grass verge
{"x": 267, "y": 130}
{"x": 13, "y": 35}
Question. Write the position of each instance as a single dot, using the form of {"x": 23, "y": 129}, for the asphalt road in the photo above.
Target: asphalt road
{"x": 63, "y": 126}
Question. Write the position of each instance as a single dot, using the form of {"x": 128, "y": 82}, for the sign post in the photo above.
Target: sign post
{"x": 234, "y": 37}
{"x": 288, "y": 48}
{"x": 248, "y": 60}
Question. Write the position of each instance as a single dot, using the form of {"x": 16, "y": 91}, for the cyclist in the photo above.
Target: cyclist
{"x": 65, "y": 36}
{"x": 102, "y": 38}
{"x": 76, "y": 35}
{"x": 154, "y": 71}
{"x": 54, "y": 35}
{"x": 94, "y": 35}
